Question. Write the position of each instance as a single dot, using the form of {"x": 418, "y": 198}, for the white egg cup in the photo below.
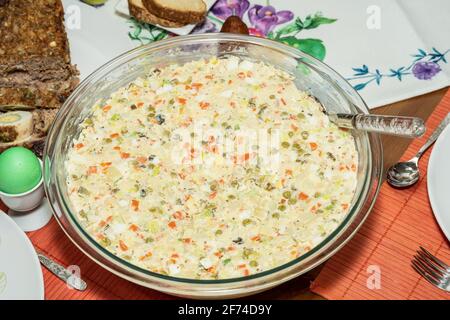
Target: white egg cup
{"x": 30, "y": 209}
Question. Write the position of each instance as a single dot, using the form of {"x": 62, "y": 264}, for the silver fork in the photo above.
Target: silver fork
{"x": 434, "y": 270}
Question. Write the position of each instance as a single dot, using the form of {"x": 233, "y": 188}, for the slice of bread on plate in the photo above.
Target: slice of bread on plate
{"x": 182, "y": 11}
{"x": 141, "y": 13}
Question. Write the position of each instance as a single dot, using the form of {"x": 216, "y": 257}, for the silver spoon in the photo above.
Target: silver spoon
{"x": 61, "y": 272}
{"x": 410, "y": 127}
{"x": 405, "y": 174}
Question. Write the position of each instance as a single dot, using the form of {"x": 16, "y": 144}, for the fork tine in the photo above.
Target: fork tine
{"x": 424, "y": 274}
{"x": 428, "y": 270}
{"x": 436, "y": 260}
{"x": 430, "y": 263}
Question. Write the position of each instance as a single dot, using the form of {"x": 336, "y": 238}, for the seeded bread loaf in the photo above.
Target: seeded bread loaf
{"x": 36, "y": 75}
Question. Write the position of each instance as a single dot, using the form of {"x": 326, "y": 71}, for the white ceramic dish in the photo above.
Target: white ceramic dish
{"x": 20, "y": 271}
{"x": 439, "y": 181}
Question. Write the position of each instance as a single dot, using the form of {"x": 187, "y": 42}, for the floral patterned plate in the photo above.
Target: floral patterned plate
{"x": 20, "y": 271}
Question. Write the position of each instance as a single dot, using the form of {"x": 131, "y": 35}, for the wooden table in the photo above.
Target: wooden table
{"x": 393, "y": 147}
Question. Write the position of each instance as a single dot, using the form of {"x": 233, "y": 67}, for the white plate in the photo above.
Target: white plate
{"x": 122, "y": 8}
{"x": 20, "y": 271}
{"x": 439, "y": 181}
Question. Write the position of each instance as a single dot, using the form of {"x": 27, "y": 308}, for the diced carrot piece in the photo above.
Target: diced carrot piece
{"x": 79, "y": 146}
{"x": 313, "y": 146}
{"x": 134, "y": 228}
{"x": 135, "y": 204}
{"x": 213, "y": 195}
{"x": 114, "y": 135}
{"x": 147, "y": 255}
{"x": 140, "y": 104}
{"x": 246, "y": 272}
{"x": 124, "y": 155}
{"x": 196, "y": 85}
{"x": 175, "y": 255}
{"x": 178, "y": 215}
{"x": 211, "y": 270}
{"x": 204, "y": 105}
{"x": 241, "y": 75}
{"x": 123, "y": 246}
{"x": 182, "y": 100}
{"x": 344, "y": 206}
{"x": 172, "y": 224}
{"x": 256, "y": 238}
{"x": 92, "y": 170}
{"x": 209, "y": 77}
{"x": 218, "y": 254}
{"x": 117, "y": 148}
{"x": 106, "y": 108}
{"x": 241, "y": 266}
{"x": 105, "y": 164}
{"x": 302, "y": 196}
{"x": 102, "y": 223}
{"x": 141, "y": 160}
{"x": 187, "y": 240}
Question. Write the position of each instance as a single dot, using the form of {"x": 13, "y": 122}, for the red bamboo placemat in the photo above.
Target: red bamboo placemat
{"x": 401, "y": 221}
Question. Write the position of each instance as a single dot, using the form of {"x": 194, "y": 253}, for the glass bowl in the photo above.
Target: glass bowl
{"x": 311, "y": 75}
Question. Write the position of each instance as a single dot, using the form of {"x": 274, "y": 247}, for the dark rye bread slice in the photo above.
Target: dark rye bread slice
{"x": 182, "y": 11}
{"x": 141, "y": 13}
{"x": 34, "y": 45}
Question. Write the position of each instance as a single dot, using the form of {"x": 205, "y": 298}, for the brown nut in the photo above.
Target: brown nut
{"x": 234, "y": 24}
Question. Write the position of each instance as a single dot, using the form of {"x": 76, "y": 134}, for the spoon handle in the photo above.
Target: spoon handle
{"x": 410, "y": 127}
{"x": 61, "y": 272}
{"x": 434, "y": 135}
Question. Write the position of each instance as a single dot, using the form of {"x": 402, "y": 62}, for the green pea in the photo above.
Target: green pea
{"x": 287, "y": 194}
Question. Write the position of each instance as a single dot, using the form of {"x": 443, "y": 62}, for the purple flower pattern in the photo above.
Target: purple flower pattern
{"x": 266, "y": 18}
{"x": 205, "y": 27}
{"x": 225, "y": 8}
{"x": 423, "y": 70}
{"x": 424, "y": 66}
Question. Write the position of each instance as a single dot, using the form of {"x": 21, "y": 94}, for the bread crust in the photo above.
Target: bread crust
{"x": 186, "y": 17}
{"x": 142, "y": 14}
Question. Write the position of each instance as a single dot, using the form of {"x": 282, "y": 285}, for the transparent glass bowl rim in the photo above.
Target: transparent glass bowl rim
{"x": 190, "y": 40}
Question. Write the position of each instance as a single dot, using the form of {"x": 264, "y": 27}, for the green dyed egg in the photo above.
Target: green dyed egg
{"x": 20, "y": 170}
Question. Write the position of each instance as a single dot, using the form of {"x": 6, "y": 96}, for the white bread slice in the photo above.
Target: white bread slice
{"x": 183, "y": 11}
{"x": 141, "y": 13}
